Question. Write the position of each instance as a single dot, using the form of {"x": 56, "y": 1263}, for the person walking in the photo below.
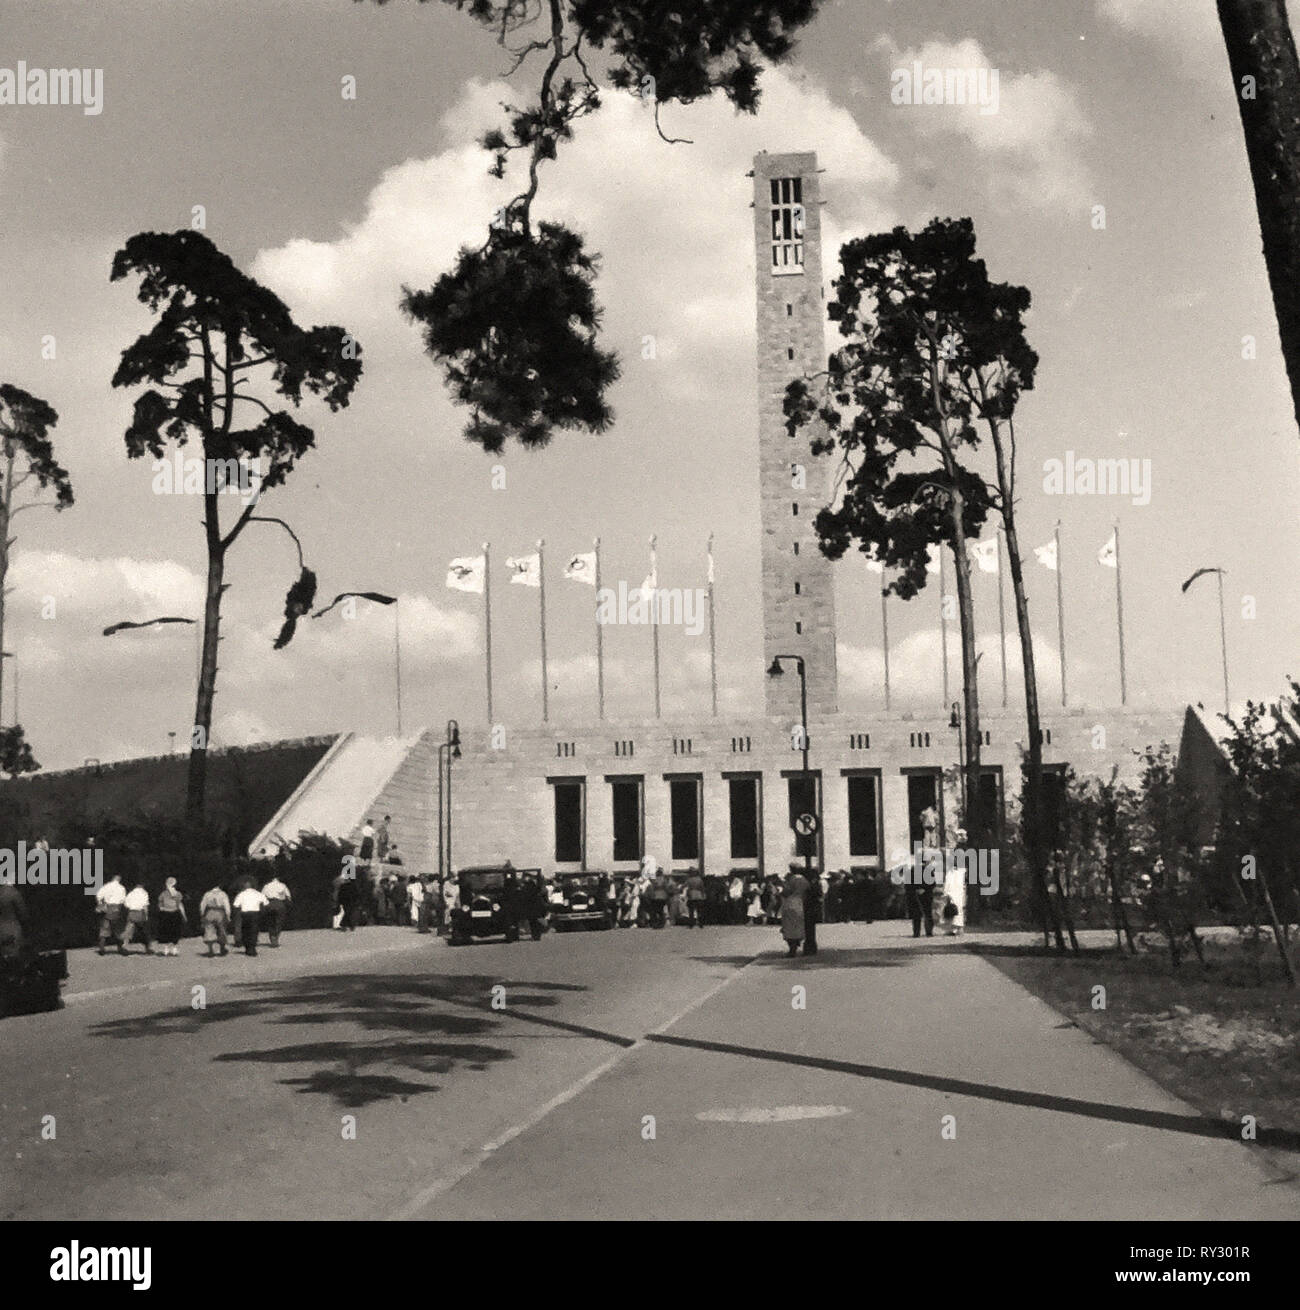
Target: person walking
{"x": 276, "y": 911}
{"x": 794, "y": 900}
{"x": 249, "y": 903}
{"x": 171, "y": 918}
{"x": 659, "y": 900}
{"x": 214, "y": 910}
{"x": 367, "y": 852}
{"x": 754, "y": 911}
{"x": 383, "y": 839}
{"x": 695, "y": 897}
{"x": 110, "y": 905}
{"x": 349, "y": 900}
{"x": 137, "y": 917}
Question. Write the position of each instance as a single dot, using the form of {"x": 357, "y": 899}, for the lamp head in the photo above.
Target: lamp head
{"x": 775, "y": 670}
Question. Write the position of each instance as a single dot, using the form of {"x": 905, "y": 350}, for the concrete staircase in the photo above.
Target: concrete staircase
{"x": 345, "y": 788}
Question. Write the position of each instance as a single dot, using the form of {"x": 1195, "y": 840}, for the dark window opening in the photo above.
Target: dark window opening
{"x": 744, "y": 818}
{"x": 922, "y": 795}
{"x": 627, "y": 820}
{"x": 684, "y": 802}
{"x": 864, "y": 834}
{"x": 568, "y": 822}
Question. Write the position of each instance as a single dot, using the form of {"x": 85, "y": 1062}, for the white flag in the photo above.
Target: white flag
{"x": 932, "y": 560}
{"x": 1046, "y": 555}
{"x": 1109, "y": 554}
{"x": 710, "y": 568}
{"x": 582, "y": 568}
{"x": 875, "y": 566}
{"x": 526, "y": 570}
{"x": 467, "y": 574}
{"x": 985, "y": 554}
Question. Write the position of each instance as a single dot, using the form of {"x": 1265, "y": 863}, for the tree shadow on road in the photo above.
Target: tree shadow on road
{"x": 1194, "y": 1125}
{"x": 402, "y": 1018}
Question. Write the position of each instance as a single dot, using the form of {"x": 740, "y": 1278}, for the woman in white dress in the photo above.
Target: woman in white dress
{"x": 954, "y": 887}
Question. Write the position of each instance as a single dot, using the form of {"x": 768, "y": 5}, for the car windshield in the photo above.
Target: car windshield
{"x": 588, "y": 883}
{"x": 492, "y": 880}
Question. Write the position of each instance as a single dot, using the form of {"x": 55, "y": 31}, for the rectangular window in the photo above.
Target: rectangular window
{"x": 626, "y": 796}
{"x": 744, "y": 818}
{"x": 787, "y": 217}
{"x": 568, "y": 822}
{"x": 684, "y": 802}
{"x": 864, "y": 815}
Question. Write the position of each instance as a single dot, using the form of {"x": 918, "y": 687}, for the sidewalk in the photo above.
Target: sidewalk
{"x": 917, "y": 1082}
{"x": 93, "y": 977}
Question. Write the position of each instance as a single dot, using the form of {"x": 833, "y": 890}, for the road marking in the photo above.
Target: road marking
{"x": 775, "y": 1114}
{"x": 449, "y": 1180}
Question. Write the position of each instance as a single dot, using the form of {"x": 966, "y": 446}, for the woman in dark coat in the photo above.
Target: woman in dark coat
{"x": 793, "y": 898}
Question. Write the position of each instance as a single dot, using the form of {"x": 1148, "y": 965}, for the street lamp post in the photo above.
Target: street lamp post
{"x": 954, "y": 721}
{"x": 814, "y": 884}
{"x": 452, "y": 747}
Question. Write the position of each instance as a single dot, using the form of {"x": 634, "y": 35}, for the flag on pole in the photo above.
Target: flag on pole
{"x": 875, "y": 566}
{"x": 710, "y": 561}
{"x": 932, "y": 564}
{"x": 526, "y": 571}
{"x": 985, "y": 554}
{"x": 1108, "y": 554}
{"x": 651, "y": 583}
{"x": 582, "y": 568}
{"x": 467, "y": 574}
{"x": 1046, "y": 555}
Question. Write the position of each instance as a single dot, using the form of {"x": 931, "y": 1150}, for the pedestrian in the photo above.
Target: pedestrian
{"x": 137, "y": 917}
{"x": 276, "y": 911}
{"x": 954, "y": 888}
{"x": 754, "y": 911}
{"x": 367, "y": 852}
{"x": 536, "y": 906}
{"x": 794, "y": 896}
{"x": 658, "y": 900}
{"x": 249, "y": 903}
{"x": 110, "y": 905}
{"x": 236, "y": 914}
{"x": 348, "y": 894}
{"x": 383, "y": 839}
{"x": 415, "y": 905}
{"x": 214, "y": 910}
{"x": 171, "y": 918}
{"x": 695, "y": 896}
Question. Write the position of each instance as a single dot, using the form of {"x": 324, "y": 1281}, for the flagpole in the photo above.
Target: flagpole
{"x": 654, "y": 618}
{"x": 1002, "y": 620}
{"x": 943, "y": 625}
{"x": 884, "y": 633}
{"x": 397, "y": 657}
{"x": 541, "y": 609}
{"x": 1060, "y": 607}
{"x": 1223, "y": 646}
{"x": 487, "y": 623}
{"x": 1119, "y": 614}
{"x": 600, "y": 639}
{"x": 713, "y": 647}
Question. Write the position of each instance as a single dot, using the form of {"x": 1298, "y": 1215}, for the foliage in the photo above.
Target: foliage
{"x": 25, "y": 423}
{"x": 515, "y": 324}
{"x": 15, "y": 752}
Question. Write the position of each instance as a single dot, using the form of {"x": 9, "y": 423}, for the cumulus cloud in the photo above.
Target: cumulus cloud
{"x": 677, "y": 261}
{"x": 1188, "y": 33}
{"x": 1033, "y": 139}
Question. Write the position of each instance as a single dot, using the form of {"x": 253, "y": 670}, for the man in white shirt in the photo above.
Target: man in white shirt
{"x": 110, "y": 904}
{"x": 249, "y": 903}
{"x": 137, "y": 918}
{"x": 277, "y": 897}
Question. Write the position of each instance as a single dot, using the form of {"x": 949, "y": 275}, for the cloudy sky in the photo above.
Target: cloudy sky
{"x": 236, "y": 105}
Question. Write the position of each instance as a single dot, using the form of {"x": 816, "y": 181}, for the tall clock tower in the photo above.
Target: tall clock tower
{"x": 798, "y": 595}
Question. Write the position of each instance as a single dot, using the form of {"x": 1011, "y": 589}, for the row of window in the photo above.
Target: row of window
{"x": 858, "y": 741}
{"x": 745, "y": 814}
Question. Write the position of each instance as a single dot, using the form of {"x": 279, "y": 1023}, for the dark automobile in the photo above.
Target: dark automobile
{"x": 581, "y": 900}
{"x": 488, "y": 905}
{"x": 30, "y": 982}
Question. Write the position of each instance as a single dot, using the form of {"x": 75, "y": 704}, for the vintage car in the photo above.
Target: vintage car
{"x": 488, "y": 905}
{"x": 31, "y": 982}
{"x": 577, "y": 902}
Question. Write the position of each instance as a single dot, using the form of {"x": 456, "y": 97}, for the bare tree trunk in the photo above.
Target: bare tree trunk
{"x": 1282, "y": 948}
{"x": 972, "y": 819}
{"x": 1261, "y": 48}
{"x": 6, "y": 509}
{"x": 1032, "y": 807}
{"x": 201, "y": 733}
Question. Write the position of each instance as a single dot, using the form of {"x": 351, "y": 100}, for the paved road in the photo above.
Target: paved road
{"x": 637, "y": 1074}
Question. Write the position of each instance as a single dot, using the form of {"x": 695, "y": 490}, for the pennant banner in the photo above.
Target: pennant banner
{"x": 467, "y": 574}
{"x": 1046, "y": 555}
{"x": 582, "y": 568}
{"x": 1108, "y": 555}
{"x": 985, "y": 555}
{"x": 526, "y": 571}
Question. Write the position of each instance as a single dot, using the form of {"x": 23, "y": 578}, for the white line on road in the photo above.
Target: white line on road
{"x": 449, "y": 1180}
